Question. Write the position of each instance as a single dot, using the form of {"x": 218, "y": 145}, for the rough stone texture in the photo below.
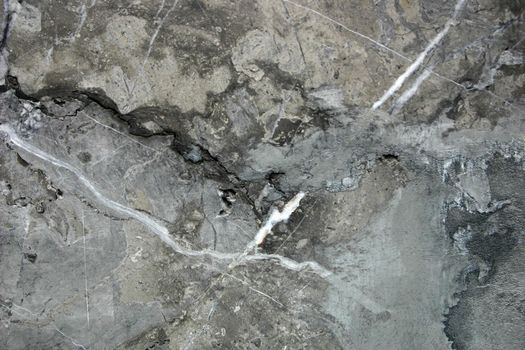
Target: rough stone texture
{"x": 145, "y": 143}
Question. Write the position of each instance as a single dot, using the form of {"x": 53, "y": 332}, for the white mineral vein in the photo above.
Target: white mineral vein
{"x": 161, "y": 231}
{"x": 419, "y": 60}
{"x": 408, "y": 94}
{"x": 276, "y": 217}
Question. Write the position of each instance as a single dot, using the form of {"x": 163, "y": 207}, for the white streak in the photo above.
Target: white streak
{"x": 157, "y": 30}
{"x": 375, "y": 42}
{"x": 85, "y": 269}
{"x": 162, "y": 232}
{"x": 291, "y": 264}
{"x": 152, "y": 40}
{"x": 366, "y": 37}
{"x": 83, "y": 16}
{"x": 120, "y": 133}
{"x": 254, "y": 289}
{"x": 160, "y": 8}
{"x": 33, "y": 315}
{"x": 108, "y": 156}
{"x": 69, "y": 338}
{"x": 276, "y": 217}
{"x": 415, "y": 65}
{"x": 21, "y": 308}
{"x": 407, "y": 95}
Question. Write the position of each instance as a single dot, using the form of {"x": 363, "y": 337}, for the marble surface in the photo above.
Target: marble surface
{"x": 262, "y": 174}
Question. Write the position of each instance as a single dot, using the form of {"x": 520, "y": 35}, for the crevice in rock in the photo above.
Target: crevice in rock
{"x": 100, "y": 211}
{"x": 8, "y": 18}
{"x": 23, "y": 200}
{"x": 210, "y": 165}
{"x": 274, "y": 178}
{"x": 216, "y": 170}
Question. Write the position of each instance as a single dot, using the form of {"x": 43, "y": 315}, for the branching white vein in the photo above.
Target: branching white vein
{"x": 153, "y": 38}
{"x": 85, "y": 269}
{"x": 366, "y": 37}
{"x": 157, "y": 30}
{"x": 255, "y": 289}
{"x": 291, "y": 264}
{"x": 276, "y": 217}
{"x": 161, "y": 231}
{"x": 407, "y": 95}
{"x": 83, "y": 17}
{"x": 419, "y": 60}
{"x": 119, "y": 132}
{"x": 154, "y": 226}
{"x": 386, "y": 48}
{"x": 160, "y": 8}
{"x": 296, "y": 228}
{"x": 108, "y": 156}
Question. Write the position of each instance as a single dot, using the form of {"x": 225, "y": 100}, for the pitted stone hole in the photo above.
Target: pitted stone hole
{"x": 227, "y": 199}
{"x": 59, "y": 101}
{"x": 389, "y": 157}
{"x": 274, "y": 178}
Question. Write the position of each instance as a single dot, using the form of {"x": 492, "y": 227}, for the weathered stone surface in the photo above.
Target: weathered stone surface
{"x": 270, "y": 174}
